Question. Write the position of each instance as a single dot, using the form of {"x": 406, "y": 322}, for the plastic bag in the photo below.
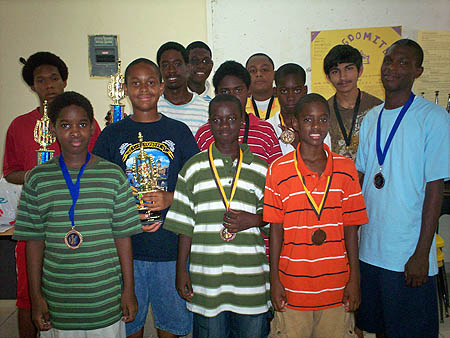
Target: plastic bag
{"x": 9, "y": 200}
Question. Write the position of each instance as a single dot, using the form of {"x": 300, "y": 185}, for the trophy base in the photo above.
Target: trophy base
{"x": 44, "y": 156}
{"x": 153, "y": 216}
{"x": 117, "y": 112}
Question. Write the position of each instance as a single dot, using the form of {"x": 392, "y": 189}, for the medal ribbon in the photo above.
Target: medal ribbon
{"x": 247, "y": 128}
{"x": 225, "y": 201}
{"x": 317, "y": 209}
{"x": 347, "y": 137}
{"x": 381, "y": 154}
{"x": 73, "y": 188}
{"x": 269, "y": 107}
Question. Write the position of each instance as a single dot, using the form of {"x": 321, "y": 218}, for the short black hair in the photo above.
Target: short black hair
{"x": 67, "y": 99}
{"x": 171, "y": 45}
{"x": 143, "y": 60}
{"x": 342, "y": 54}
{"x": 220, "y": 98}
{"x": 231, "y": 68}
{"x": 260, "y": 54}
{"x": 418, "y": 51}
{"x": 198, "y": 44}
{"x": 310, "y": 98}
{"x": 39, "y": 59}
{"x": 289, "y": 68}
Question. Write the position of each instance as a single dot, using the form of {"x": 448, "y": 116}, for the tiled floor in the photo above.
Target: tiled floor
{"x": 8, "y": 323}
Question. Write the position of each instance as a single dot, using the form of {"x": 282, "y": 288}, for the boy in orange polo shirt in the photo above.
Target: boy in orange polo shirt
{"x": 314, "y": 203}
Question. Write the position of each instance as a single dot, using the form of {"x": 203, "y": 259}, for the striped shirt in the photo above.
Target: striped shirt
{"x": 82, "y": 287}
{"x": 226, "y": 276}
{"x": 262, "y": 139}
{"x": 194, "y": 113}
{"x": 314, "y": 276}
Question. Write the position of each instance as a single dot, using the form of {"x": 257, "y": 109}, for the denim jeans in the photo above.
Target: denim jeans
{"x": 231, "y": 325}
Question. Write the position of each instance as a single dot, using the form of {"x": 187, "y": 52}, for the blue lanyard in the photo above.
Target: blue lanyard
{"x": 73, "y": 188}
{"x": 381, "y": 155}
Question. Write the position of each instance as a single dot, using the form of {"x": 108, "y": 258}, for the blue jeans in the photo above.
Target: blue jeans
{"x": 155, "y": 285}
{"x": 231, "y": 325}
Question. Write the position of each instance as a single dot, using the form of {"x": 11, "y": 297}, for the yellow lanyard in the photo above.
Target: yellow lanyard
{"x": 317, "y": 209}
{"x": 281, "y": 120}
{"x": 225, "y": 201}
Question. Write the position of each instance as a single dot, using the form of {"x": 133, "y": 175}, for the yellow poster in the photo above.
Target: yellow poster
{"x": 436, "y": 66}
{"x": 371, "y": 42}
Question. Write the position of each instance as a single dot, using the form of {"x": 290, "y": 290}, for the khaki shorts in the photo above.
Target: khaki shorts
{"x": 116, "y": 330}
{"x": 333, "y": 323}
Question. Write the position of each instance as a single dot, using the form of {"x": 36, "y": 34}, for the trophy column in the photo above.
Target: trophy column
{"x": 44, "y": 137}
{"x": 116, "y": 92}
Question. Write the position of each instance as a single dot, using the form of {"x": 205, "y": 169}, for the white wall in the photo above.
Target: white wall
{"x": 282, "y": 28}
{"x": 63, "y": 26}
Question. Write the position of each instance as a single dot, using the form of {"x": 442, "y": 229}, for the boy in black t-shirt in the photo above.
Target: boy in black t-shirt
{"x": 170, "y": 144}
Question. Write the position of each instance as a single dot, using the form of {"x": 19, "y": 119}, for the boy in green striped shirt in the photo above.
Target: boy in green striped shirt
{"x": 77, "y": 214}
{"x": 217, "y": 213}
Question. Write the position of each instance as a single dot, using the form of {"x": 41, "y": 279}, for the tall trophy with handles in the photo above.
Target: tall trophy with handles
{"x": 44, "y": 137}
{"x": 116, "y": 92}
{"x": 145, "y": 174}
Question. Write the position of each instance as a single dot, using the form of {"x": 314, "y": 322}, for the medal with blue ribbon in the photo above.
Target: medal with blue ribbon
{"x": 224, "y": 233}
{"x": 73, "y": 238}
{"x": 378, "y": 179}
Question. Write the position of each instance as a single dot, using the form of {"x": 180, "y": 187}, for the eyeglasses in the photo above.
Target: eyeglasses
{"x": 205, "y": 61}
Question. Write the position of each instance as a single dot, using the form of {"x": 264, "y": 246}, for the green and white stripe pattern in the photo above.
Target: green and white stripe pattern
{"x": 226, "y": 276}
{"x": 83, "y": 287}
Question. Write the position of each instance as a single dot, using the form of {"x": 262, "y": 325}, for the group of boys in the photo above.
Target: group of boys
{"x": 268, "y": 155}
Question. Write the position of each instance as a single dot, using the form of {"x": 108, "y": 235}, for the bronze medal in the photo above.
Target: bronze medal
{"x": 287, "y": 136}
{"x": 318, "y": 237}
{"x": 226, "y": 235}
{"x": 73, "y": 239}
{"x": 379, "y": 180}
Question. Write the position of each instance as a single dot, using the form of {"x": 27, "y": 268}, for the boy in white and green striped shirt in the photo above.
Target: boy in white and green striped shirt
{"x": 217, "y": 212}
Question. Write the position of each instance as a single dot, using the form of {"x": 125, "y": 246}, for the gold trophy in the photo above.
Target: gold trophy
{"x": 145, "y": 174}
{"x": 116, "y": 92}
{"x": 44, "y": 137}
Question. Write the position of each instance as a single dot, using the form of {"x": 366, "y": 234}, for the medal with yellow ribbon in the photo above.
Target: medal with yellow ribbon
{"x": 287, "y": 135}
{"x": 224, "y": 233}
{"x": 319, "y": 236}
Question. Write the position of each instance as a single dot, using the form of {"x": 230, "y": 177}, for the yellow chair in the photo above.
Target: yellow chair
{"x": 442, "y": 284}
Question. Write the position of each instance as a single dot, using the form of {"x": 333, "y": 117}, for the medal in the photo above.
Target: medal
{"x": 269, "y": 107}
{"x": 287, "y": 135}
{"x": 73, "y": 238}
{"x": 318, "y": 237}
{"x": 224, "y": 233}
{"x": 347, "y": 137}
{"x": 379, "y": 180}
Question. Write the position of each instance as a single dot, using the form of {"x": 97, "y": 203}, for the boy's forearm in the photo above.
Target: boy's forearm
{"x": 275, "y": 244}
{"x": 184, "y": 249}
{"x": 34, "y": 255}
{"x": 351, "y": 245}
{"x": 16, "y": 177}
{"x": 125, "y": 253}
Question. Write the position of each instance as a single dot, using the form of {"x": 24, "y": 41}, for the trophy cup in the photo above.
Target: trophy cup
{"x": 44, "y": 137}
{"x": 145, "y": 174}
{"x": 116, "y": 92}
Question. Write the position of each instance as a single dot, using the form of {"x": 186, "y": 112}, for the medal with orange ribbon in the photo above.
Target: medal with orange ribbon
{"x": 224, "y": 233}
